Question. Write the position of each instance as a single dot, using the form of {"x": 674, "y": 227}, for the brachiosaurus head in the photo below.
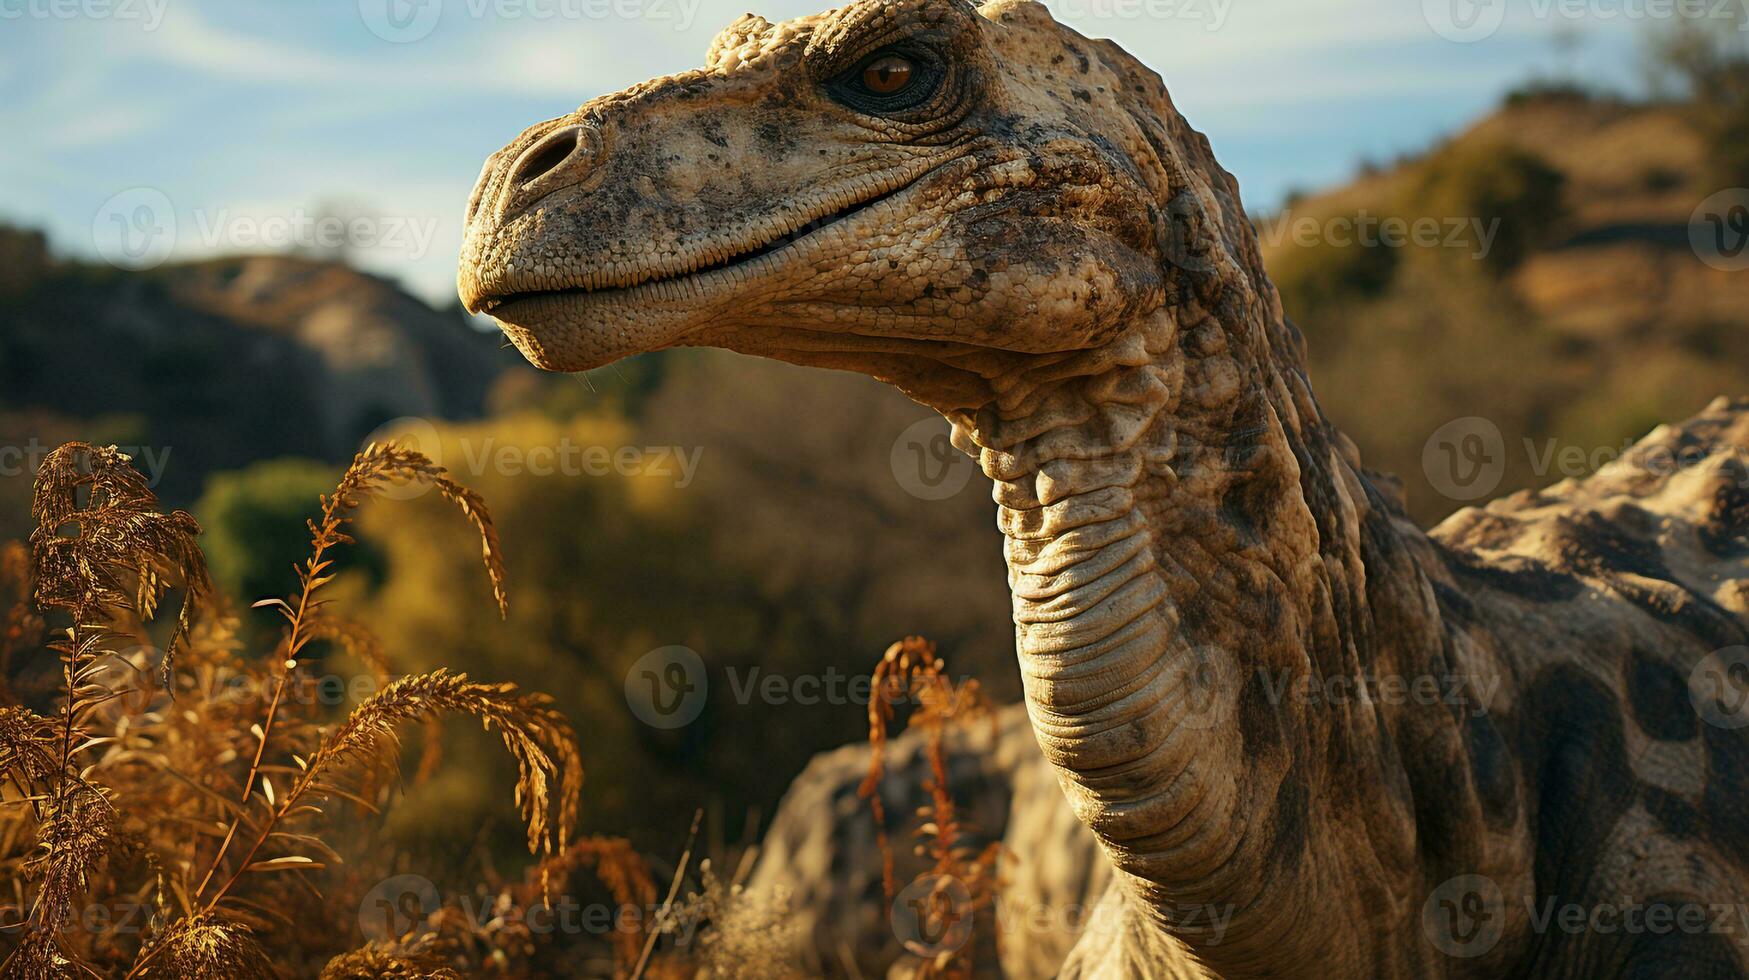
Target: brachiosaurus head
{"x": 924, "y": 191}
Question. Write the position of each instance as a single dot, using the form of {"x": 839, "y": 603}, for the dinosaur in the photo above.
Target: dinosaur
{"x": 1377, "y": 751}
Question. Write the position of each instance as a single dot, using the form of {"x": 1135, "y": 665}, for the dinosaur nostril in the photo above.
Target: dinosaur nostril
{"x": 544, "y": 157}
{"x": 567, "y": 157}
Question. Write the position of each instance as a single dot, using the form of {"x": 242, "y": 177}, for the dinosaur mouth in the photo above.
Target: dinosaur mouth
{"x": 692, "y": 269}
{"x": 600, "y": 311}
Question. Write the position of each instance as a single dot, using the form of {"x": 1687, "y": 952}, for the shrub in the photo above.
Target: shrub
{"x": 253, "y": 518}
{"x": 1513, "y": 190}
{"x": 1322, "y": 274}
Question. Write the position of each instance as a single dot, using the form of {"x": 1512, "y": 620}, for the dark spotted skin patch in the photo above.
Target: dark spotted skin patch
{"x": 1259, "y": 717}
{"x": 1570, "y": 733}
{"x": 1493, "y": 772}
{"x": 1660, "y": 700}
{"x": 1291, "y": 825}
{"x": 1675, "y": 816}
{"x": 1586, "y": 545}
{"x": 1591, "y": 545}
{"x": 1687, "y": 610}
{"x": 1725, "y": 803}
{"x": 1527, "y": 579}
{"x": 1569, "y": 728}
{"x": 1681, "y": 955}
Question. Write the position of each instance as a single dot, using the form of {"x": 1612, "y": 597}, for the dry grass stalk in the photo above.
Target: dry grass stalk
{"x": 116, "y": 800}
{"x": 100, "y": 553}
{"x": 101, "y": 545}
{"x": 627, "y": 877}
{"x": 536, "y": 735}
{"x": 377, "y": 468}
{"x": 910, "y": 672}
{"x": 378, "y": 963}
{"x": 209, "y": 946}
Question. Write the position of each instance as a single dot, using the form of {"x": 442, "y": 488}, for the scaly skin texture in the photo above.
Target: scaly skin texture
{"x": 1036, "y": 244}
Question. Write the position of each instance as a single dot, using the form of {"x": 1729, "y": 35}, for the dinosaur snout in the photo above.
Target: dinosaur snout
{"x": 568, "y": 157}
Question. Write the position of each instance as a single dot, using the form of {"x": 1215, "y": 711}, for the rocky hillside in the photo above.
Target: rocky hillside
{"x": 1590, "y": 318}
{"x": 215, "y": 364}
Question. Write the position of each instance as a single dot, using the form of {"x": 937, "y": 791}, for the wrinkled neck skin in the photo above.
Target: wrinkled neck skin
{"x": 1189, "y": 544}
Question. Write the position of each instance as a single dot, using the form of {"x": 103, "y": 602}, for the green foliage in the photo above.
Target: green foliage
{"x": 1727, "y": 130}
{"x": 1538, "y": 91}
{"x": 24, "y": 260}
{"x": 1492, "y": 183}
{"x": 255, "y": 517}
{"x": 1322, "y": 273}
{"x": 1707, "y": 60}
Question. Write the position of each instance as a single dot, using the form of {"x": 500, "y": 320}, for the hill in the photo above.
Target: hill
{"x": 1587, "y": 318}
{"x": 213, "y": 365}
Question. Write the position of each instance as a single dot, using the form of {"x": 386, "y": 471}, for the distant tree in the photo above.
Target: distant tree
{"x": 1513, "y": 189}
{"x": 1705, "y": 59}
{"x": 253, "y": 518}
{"x": 24, "y": 260}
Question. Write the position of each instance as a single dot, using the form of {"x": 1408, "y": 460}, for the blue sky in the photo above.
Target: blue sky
{"x": 244, "y": 117}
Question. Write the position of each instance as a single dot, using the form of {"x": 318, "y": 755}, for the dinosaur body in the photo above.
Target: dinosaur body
{"x": 1013, "y": 224}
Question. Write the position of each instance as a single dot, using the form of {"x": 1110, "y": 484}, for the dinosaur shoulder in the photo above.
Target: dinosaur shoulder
{"x": 1666, "y": 528}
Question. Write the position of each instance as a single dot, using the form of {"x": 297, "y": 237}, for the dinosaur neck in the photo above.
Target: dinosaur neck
{"x": 1187, "y": 547}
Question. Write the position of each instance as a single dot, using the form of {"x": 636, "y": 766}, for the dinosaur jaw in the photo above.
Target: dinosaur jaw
{"x": 595, "y": 314}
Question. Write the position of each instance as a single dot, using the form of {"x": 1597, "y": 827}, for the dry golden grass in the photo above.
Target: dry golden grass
{"x": 208, "y": 817}
{"x": 203, "y": 805}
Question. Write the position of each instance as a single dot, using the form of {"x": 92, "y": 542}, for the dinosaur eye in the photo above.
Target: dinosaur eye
{"x": 886, "y": 75}
{"x": 895, "y": 81}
